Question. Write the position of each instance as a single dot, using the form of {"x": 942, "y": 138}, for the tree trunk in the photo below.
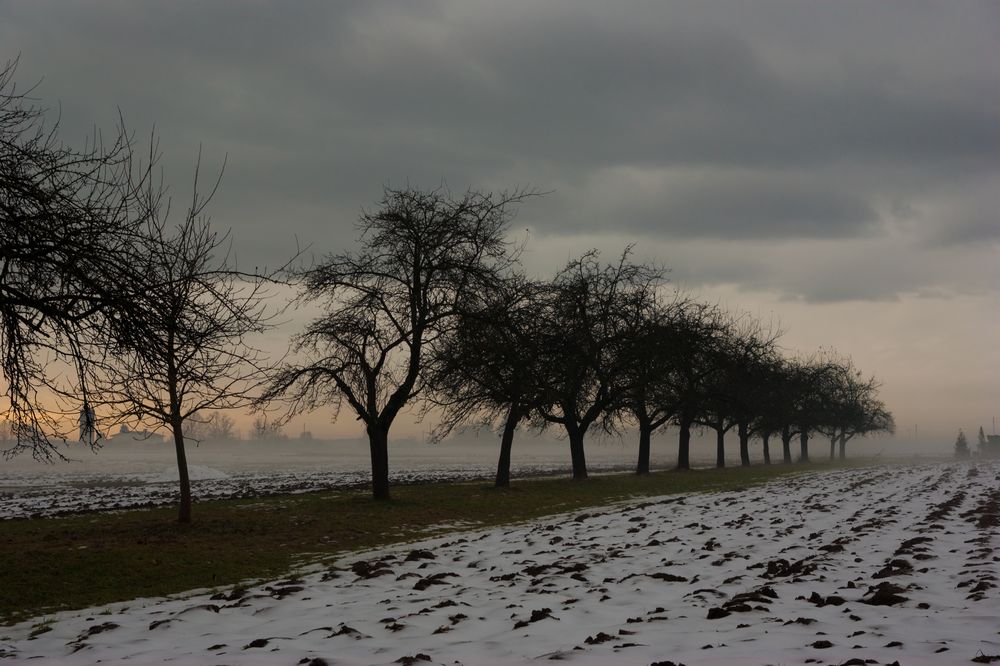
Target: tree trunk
{"x": 833, "y": 447}
{"x": 843, "y": 447}
{"x": 684, "y": 444}
{"x": 765, "y": 441}
{"x": 577, "y": 454}
{"x": 506, "y": 443}
{"x": 720, "y": 447}
{"x": 645, "y": 434}
{"x": 804, "y": 445}
{"x": 744, "y": 433}
{"x": 176, "y": 426}
{"x": 786, "y": 446}
{"x": 378, "y": 443}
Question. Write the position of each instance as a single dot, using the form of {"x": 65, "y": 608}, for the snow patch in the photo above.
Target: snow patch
{"x": 883, "y": 564}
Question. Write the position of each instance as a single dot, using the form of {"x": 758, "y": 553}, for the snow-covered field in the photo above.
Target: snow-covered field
{"x": 145, "y": 475}
{"x": 876, "y": 565}
{"x": 65, "y": 494}
{"x": 134, "y": 475}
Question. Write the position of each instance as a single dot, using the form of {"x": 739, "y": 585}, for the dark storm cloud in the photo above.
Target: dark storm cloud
{"x": 670, "y": 122}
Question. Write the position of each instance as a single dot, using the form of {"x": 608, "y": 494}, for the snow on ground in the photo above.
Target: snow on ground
{"x": 67, "y": 494}
{"x": 875, "y": 565}
{"x": 134, "y": 476}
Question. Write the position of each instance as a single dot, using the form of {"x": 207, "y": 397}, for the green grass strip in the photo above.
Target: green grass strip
{"x": 54, "y": 564}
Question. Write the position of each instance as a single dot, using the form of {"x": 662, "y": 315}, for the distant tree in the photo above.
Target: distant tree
{"x": 771, "y": 406}
{"x": 751, "y": 361}
{"x": 982, "y": 440}
{"x": 715, "y": 413}
{"x": 195, "y": 430}
{"x": 853, "y": 407}
{"x": 799, "y": 401}
{"x": 421, "y": 253}
{"x": 788, "y": 383}
{"x": 844, "y": 393}
{"x": 696, "y": 332}
{"x": 264, "y": 429}
{"x": 961, "y": 445}
{"x": 69, "y": 225}
{"x": 877, "y": 419}
{"x": 649, "y": 357}
{"x": 486, "y": 368}
{"x": 587, "y": 323}
{"x": 816, "y": 384}
{"x": 740, "y": 356}
{"x": 189, "y": 351}
{"x": 220, "y": 427}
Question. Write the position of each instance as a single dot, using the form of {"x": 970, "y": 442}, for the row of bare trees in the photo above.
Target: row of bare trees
{"x": 106, "y": 304}
{"x": 607, "y": 347}
{"x": 431, "y": 310}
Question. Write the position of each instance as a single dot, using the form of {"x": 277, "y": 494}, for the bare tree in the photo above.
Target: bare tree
{"x": 188, "y": 351}
{"x": 853, "y": 407}
{"x": 716, "y": 412}
{"x": 70, "y": 222}
{"x": 266, "y": 429}
{"x": 213, "y": 427}
{"x": 387, "y": 304}
{"x": 196, "y": 430}
{"x": 589, "y": 320}
{"x": 771, "y": 406}
{"x": 732, "y": 381}
{"x": 813, "y": 380}
{"x": 486, "y": 368}
{"x": 694, "y": 333}
{"x": 650, "y": 357}
{"x": 745, "y": 355}
{"x": 788, "y": 382}
{"x": 221, "y": 427}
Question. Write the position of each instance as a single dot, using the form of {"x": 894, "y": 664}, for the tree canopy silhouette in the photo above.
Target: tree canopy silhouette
{"x": 589, "y": 317}
{"x": 71, "y": 222}
{"x": 487, "y": 368}
{"x": 388, "y": 303}
{"x": 188, "y": 351}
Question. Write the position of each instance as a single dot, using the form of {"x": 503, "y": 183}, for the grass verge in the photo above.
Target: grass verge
{"x": 54, "y": 564}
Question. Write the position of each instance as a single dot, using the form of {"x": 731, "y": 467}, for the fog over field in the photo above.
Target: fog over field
{"x": 412, "y": 454}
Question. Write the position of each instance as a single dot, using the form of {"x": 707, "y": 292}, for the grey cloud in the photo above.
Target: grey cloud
{"x": 971, "y": 217}
{"x": 669, "y": 123}
{"x": 721, "y": 204}
{"x": 809, "y": 271}
{"x": 821, "y": 272}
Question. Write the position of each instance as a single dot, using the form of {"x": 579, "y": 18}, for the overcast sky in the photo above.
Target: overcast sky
{"x": 833, "y": 165}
